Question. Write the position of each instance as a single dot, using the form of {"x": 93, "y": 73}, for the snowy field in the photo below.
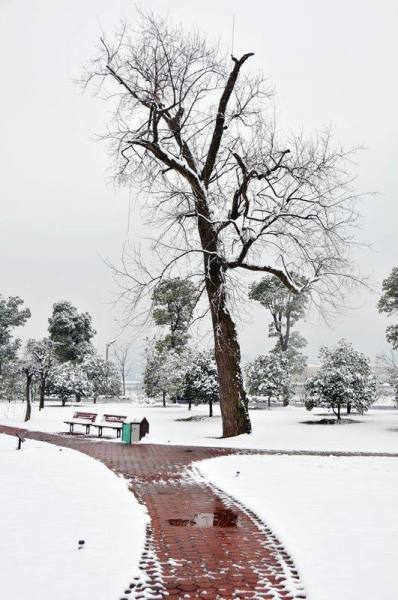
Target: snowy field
{"x": 336, "y": 516}
{"x": 51, "y": 499}
{"x": 279, "y": 428}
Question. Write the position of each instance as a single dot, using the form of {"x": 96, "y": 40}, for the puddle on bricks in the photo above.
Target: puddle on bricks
{"x": 220, "y": 516}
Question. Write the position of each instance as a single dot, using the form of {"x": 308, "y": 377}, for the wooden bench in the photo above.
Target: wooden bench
{"x": 111, "y": 422}
{"x": 82, "y": 418}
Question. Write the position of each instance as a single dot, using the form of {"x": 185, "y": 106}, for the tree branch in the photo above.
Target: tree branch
{"x": 220, "y": 119}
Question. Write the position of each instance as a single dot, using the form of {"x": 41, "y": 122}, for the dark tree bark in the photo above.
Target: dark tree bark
{"x": 210, "y": 407}
{"x": 164, "y": 398}
{"x": 42, "y": 391}
{"x": 28, "y": 385}
{"x": 233, "y": 399}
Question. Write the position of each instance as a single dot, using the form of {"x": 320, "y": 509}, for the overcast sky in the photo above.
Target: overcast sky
{"x": 331, "y": 63}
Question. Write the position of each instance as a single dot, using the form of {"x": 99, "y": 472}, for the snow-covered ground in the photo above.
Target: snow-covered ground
{"x": 337, "y": 517}
{"x": 50, "y": 499}
{"x": 279, "y": 428}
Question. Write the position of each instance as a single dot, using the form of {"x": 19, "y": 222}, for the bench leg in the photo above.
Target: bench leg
{"x": 70, "y": 427}
{"x": 87, "y": 429}
{"x": 100, "y": 431}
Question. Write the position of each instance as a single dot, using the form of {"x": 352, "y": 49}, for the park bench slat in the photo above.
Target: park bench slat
{"x": 111, "y": 422}
{"x": 82, "y": 418}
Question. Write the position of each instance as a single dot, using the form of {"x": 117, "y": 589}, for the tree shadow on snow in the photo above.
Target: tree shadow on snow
{"x": 330, "y": 421}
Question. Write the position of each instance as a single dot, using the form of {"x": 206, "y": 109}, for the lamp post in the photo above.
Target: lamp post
{"x": 108, "y": 345}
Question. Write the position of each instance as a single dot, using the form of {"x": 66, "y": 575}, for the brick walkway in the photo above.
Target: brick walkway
{"x": 201, "y": 543}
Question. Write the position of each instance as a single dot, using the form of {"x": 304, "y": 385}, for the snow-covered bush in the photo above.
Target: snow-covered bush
{"x": 183, "y": 373}
{"x": 344, "y": 379}
{"x": 165, "y": 371}
{"x": 201, "y": 380}
{"x": 269, "y": 375}
{"x": 392, "y": 376}
{"x": 69, "y": 379}
{"x": 12, "y": 383}
{"x": 102, "y": 375}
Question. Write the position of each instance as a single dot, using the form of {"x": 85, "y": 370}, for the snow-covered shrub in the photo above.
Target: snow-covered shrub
{"x": 12, "y": 383}
{"x": 165, "y": 371}
{"x": 102, "y": 375}
{"x": 344, "y": 379}
{"x": 269, "y": 375}
{"x": 201, "y": 380}
{"x": 69, "y": 379}
{"x": 183, "y": 373}
{"x": 392, "y": 376}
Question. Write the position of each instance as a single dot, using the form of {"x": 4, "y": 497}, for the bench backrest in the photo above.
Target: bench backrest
{"x": 113, "y": 418}
{"x": 85, "y": 416}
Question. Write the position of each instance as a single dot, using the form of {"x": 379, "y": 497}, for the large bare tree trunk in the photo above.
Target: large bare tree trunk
{"x": 233, "y": 399}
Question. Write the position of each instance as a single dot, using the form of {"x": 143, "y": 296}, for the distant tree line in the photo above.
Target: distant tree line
{"x": 177, "y": 370}
{"x": 64, "y": 364}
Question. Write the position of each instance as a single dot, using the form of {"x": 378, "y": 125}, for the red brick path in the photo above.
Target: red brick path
{"x": 201, "y": 543}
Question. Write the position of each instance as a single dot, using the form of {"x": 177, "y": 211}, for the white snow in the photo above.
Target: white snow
{"x": 50, "y": 499}
{"x": 280, "y": 428}
{"x": 336, "y": 516}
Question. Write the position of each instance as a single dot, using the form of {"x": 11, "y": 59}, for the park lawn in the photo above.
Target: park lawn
{"x": 281, "y": 428}
{"x": 336, "y": 516}
{"x": 50, "y": 499}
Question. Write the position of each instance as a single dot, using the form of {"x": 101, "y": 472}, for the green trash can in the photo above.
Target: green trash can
{"x": 126, "y": 433}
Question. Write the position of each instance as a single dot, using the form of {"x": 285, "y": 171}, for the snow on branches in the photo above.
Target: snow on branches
{"x": 345, "y": 378}
{"x": 269, "y": 375}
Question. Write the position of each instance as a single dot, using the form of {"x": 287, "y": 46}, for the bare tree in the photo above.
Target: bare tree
{"x": 41, "y": 358}
{"x": 122, "y": 360}
{"x": 225, "y": 191}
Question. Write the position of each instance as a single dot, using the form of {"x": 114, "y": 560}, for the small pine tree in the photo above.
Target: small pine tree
{"x": 345, "y": 378}
{"x": 102, "y": 375}
{"x": 69, "y": 379}
{"x": 201, "y": 380}
{"x": 269, "y": 375}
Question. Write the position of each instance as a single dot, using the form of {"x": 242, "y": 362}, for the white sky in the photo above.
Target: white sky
{"x": 330, "y": 62}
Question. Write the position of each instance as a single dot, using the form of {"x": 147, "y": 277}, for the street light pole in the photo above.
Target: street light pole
{"x": 108, "y": 345}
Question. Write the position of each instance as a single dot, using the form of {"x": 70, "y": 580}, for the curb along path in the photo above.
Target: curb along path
{"x": 200, "y": 543}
